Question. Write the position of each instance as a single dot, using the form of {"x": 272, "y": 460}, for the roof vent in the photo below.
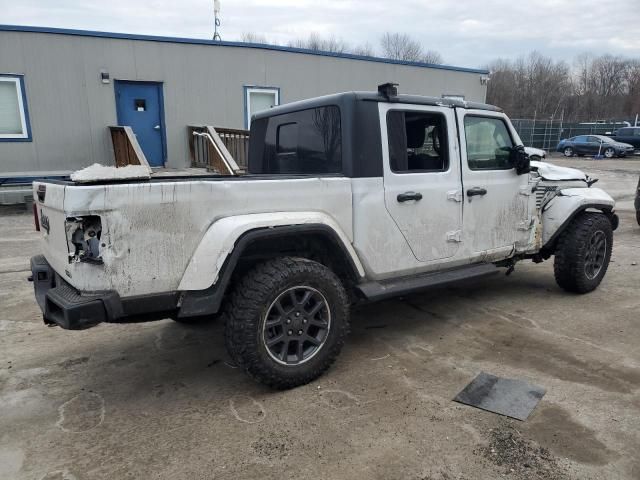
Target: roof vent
{"x": 388, "y": 90}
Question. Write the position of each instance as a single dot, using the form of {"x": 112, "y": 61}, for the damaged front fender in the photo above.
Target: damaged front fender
{"x": 567, "y": 203}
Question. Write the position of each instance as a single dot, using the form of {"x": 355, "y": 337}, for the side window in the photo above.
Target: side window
{"x": 305, "y": 142}
{"x": 258, "y": 99}
{"x": 14, "y": 119}
{"x": 581, "y": 139}
{"x": 592, "y": 139}
{"x": 417, "y": 142}
{"x": 488, "y": 143}
{"x": 624, "y": 132}
{"x": 636, "y": 132}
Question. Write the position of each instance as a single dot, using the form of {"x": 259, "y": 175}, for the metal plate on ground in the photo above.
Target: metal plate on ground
{"x": 505, "y": 396}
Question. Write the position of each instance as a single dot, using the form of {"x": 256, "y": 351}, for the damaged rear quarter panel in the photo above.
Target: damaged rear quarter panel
{"x": 150, "y": 231}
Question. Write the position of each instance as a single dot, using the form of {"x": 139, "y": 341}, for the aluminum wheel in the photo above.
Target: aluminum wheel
{"x": 596, "y": 253}
{"x": 568, "y": 152}
{"x": 296, "y": 325}
{"x": 609, "y": 152}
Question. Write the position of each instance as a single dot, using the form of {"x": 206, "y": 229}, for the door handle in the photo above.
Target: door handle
{"x": 476, "y": 191}
{"x": 157, "y": 127}
{"x": 406, "y": 196}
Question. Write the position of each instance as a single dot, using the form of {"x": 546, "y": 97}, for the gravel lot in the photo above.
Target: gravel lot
{"x": 160, "y": 400}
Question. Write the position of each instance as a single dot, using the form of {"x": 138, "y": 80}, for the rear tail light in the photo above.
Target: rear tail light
{"x": 35, "y": 217}
{"x": 83, "y": 238}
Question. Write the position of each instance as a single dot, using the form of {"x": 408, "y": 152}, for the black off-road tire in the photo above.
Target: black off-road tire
{"x": 247, "y": 307}
{"x": 571, "y": 252}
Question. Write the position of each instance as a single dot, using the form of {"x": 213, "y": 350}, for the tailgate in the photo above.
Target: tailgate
{"x": 49, "y": 201}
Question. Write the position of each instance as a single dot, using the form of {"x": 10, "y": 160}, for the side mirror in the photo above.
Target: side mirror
{"x": 520, "y": 160}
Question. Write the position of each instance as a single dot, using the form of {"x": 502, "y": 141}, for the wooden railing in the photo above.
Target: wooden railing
{"x": 126, "y": 148}
{"x": 237, "y": 142}
{"x": 209, "y": 150}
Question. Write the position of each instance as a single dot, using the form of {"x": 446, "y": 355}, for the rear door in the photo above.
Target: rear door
{"x": 422, "y": 184}
{"x": 594, "y": 145}
{"x": 496, "y": 207}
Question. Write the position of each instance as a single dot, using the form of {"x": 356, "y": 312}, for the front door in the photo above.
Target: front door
{"x": 139, "y": 106}
{"x": 496, "y": 205}
{"x": 422, "y": 187}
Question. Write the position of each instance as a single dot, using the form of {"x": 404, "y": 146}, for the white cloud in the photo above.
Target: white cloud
{"x": 466, "y": 32}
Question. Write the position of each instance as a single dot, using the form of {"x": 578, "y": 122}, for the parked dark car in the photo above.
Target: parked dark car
{"x": 593, "y": 145}
{"x": 630, "y": 135}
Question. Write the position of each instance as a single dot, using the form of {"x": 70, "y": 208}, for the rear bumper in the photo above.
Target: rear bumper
{"x": 65, "y": 306}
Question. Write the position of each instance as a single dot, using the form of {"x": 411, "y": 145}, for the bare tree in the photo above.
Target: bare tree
{"x": 365, "y": 50}
{"x": 315, "y": 42}
{"x": 252, "y": 37}
{"x": 400, "y": 46}
{"x": 433, "y": 57}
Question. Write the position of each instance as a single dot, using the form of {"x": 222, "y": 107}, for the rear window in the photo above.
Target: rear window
{"x": 304, "y": 142}
{"x": 625, "y": 132}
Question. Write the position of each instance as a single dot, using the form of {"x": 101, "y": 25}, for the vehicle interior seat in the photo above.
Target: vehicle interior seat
{"x": 421, "y": 155}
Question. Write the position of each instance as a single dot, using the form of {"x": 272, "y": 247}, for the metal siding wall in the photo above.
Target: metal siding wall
{"x": 70, "y": 108}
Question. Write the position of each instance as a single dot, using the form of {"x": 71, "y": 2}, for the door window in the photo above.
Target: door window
{"x": 581, "y": 139}
{"x": 417, "y": 142}
{"x": 488, "y": 143}
{"x": 594, "y": 140}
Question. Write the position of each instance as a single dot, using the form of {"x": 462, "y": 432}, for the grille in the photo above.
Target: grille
{"x": 543, "y": 191}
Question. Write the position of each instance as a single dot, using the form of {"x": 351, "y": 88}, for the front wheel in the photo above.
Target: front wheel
{"x": 583, "y": 253}
{"x": 287, "y": 321}
{"x": 609, "y": 152}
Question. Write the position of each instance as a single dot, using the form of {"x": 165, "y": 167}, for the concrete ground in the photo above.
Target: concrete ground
{"x": 161, "y": 401}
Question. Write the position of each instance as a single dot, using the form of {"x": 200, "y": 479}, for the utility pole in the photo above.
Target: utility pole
{"x": 216, "y": 20}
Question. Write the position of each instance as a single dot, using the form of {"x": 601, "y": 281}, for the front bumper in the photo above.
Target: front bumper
{"x": 65, "y": 306}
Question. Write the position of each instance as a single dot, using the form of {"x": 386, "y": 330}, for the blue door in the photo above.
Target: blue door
{"x": 139, "y": 106}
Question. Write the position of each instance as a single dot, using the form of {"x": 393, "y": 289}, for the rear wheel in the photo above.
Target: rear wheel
{"x": 568, "y": 152}
{"x": 583, "y": 253}
{"x": 287, "y": 321}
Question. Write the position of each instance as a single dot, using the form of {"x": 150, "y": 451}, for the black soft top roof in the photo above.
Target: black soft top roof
{"x": 348, "y": 97}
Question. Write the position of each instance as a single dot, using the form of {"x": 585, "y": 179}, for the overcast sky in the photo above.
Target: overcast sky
{"x": 466, "y": 32}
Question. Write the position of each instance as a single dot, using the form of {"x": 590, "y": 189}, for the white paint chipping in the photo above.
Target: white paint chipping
{"x": 97, "y": 172}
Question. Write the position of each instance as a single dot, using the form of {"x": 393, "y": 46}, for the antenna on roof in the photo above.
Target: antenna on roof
{"x": 216, "y": 21}
{"x": 388, "y": 90}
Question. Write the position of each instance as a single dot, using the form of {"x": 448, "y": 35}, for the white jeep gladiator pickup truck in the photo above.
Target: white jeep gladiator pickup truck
{"x": 351, "y": 197}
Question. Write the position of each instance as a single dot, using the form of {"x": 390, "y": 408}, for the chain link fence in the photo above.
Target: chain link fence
{"x": 546, "y": 134}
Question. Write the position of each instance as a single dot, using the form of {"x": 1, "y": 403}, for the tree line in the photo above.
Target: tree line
{"x": 590, "y": 88}
{"x": 395, "y": 46}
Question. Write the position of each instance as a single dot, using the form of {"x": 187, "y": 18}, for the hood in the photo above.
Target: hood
{"x": 548, "y": 171}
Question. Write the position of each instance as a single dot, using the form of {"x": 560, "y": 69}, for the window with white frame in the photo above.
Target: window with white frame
{"x": 13, "y": 112}
{"x": 258, "y": 99}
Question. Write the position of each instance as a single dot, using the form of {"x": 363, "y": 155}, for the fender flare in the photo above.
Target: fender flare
{"x": 567, "y": 205}
{"x": 211, "y": 267}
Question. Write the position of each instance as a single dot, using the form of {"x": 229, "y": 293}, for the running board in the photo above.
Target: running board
{"x": 404, "y": 285}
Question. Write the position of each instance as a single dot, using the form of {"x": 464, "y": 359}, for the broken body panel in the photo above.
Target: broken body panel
{"x": 171, "y": 237}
